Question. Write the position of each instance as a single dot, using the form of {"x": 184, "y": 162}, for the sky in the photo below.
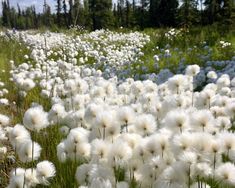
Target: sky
{"x": 38, "y": 4}
{"x": 26, "y": 3}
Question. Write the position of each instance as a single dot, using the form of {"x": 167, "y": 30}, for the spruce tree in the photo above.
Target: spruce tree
{"x": 101, "y": 13}
{"x": 58, "y": 12}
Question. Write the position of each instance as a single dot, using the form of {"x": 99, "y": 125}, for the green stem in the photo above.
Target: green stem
{"x": 189, "y": 180}
{"x": 32, "y": 151}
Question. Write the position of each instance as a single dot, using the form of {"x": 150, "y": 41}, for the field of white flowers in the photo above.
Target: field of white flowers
{"x": 98, "y": 110}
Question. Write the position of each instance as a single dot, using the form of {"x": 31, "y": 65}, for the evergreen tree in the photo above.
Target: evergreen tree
{"x": 58, "y": 12}
{"x": 86, "y": 21}
{"x": 133, "y": 14}
{"x": 213, "y": 10}
{"x": 143, "y": 21}
{"x": 101, "y": 13}
{"x": 6, "y": 14}
{"x": 121, "y": 12}
{"x": 65, "y": 13}
{"x": 71, "y": 13}
{"x": 167, "y": 12}
{"x": 188, "y": 13}
{"x": 77, "y": 11}
{"x": 46, "y": 17}
{"x": 152, "y": 12}
{"x": 128, "y": 13}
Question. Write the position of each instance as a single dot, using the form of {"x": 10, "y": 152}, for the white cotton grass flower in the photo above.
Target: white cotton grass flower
{"x": 119, "y": 154}
{"x": 140, "y": 151}
{"x": 56, "y": 113}
{"x": 70, "y": 86}
{"x": 158, "y": 164}
{"x": 100, "y": 150}
{"x": 101, "y": 172}
{"x": 204, "y": 99}
{"x": 230, "y": 110}
{"x": 228, "y": 141}
{"x": 23, "y": 178}
{"x": 18, "y": 133}
{"x": 82, "y": 174}
{"x": 218, "y": 111}
{"x": 202, "y": 170}
{"x": 3, "y": 134}
{"x": 145, "y": 124}
{"x": 210, "y": 86}
{"x": 22, "y": 93}
{"x": 91, "y": 112}
{"x": 177, "y": 121}
{"x": 202, "y": 120}
{"x": 28, "y": 84}
{"x": 212, "y": 75}
{"x": 122, "y": 184}
{"x": 77, "y": 136}
{"x": 207, "y": 148}
{"x": 64, "y": 130}
{"x": 3, "y": 151}
{"x": 225, "y": 174}
{"x": 137, "y": 87}
{"x": 35, "y": 118}
{"x": 195, "y": 185}
{"x": 126, "y": 117}
{"x": 2, "y": 84}
{"x": 100, "y": 183}
{"x": 98, "y": 92}
{"x": 214, "y": 147}
{"x": 75, "y": 146}
{"x": 192, "y": 70}
{"x": 157, "y": 144}
{"x": 4, "y": 102}
{"x": 147, "y": 175}
{"x": 62, "y": 153}
{"x": 222, "y": 101}
{"x": 4, "y": 120}
{"x": 30, "y": 177}
{"x": 113, "y": 132}
{"x": 231, "y": 155}
{"x": 103, "y": 121}
{"x": 182, "y": 142}
{"x": 225, "y": 91}
{"x": 17, "y": 178}
{"x": 233, "y": 82}
{"x": 188, "y": 157}
{"x": 171, "y": 178}
{"x": 132, "y": 170}
{"x": 74, "y": 119}
{"x": 183, "y": 101}
{"x": 25, "y": 151}
{"x": 132, "y": 139}
{"x": 177, "y": 83}
{"x": 223, "y": 81}
{"x": 45, "y": 170}
{"x": 223, "y": 123}
{"x": 81, "y": 152}
{"x": 79, "y": 101}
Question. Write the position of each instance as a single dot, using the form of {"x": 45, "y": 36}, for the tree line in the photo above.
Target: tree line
{"x": 139, "y": 14}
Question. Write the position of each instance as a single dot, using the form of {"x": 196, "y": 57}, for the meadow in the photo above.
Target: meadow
{"x": 103, "y": 109}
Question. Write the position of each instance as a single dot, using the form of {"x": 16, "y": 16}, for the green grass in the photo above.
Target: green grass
{"x": 193, "y": 39}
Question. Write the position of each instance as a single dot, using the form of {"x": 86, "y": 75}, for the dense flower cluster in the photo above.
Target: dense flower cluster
{"x": 172, "y": 34}
{"x": 153, "y": 134}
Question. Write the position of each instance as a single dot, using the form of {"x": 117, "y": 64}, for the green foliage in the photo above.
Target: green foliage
{"x": 101, "y": 14}
{"x": 141, "y": 14}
